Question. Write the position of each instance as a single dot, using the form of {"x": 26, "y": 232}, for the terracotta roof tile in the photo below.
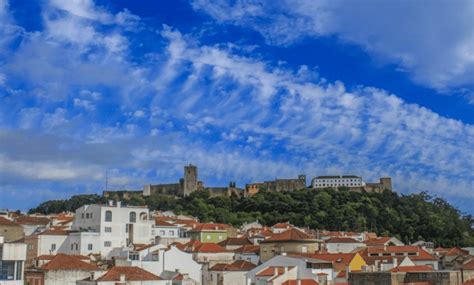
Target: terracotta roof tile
{"x": 468, "y": 265}
{"x": 131, "y": 274}
{"x": 162, "y": 223}
{"x": 209, "y": 227}
{"x": 248, "y": 249}
{"x": 54, "y": 232}
{"x": 468, "y": 282}
{"x": 238, "y": 265}
{"x": 209, "y": 248}
{"x": 29, "y": 220}
{"x": 231, "y": 241}
{"x": 7, "y": 222}
{"x": 270, "y": 271}
{"x": 51, "y": 257}
{"x": 68, "y": 262}
{"x": 289, "y": 235}
{"x": 286, "y": 225}
{"x": 457, "y": 251}
{"x": 377, "y": 241}
{"x": 341, "y": 240}
{"x": 302, "y": 282}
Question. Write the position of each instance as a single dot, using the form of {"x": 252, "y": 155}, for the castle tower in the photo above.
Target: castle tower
{"x": 386, "y": 183}
{"x": 190, "y": 179}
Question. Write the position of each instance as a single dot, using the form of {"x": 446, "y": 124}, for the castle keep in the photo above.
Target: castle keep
{"x": 186, "y": 185}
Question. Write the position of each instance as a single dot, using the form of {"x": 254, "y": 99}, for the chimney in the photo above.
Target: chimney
{"x": 111, "y": 202}
{"x": 119, "y": 203}
{"x": 122, "y": 277}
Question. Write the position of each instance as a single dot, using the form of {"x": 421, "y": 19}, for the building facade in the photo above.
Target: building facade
{"x": 12, "y": 262}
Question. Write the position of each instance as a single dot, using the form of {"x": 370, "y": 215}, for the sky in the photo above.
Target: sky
{"x": 246, "y": 90}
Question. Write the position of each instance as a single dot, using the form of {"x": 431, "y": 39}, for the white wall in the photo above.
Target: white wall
{"x": 45, "y": 243}
{"x": 67, "y": 277}
{"x": 343, "y": 247}
{"x": 118, "y": 232}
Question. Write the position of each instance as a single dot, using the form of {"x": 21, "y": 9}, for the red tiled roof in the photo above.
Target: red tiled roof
{"x": 248, "y": 249}
{"x": 341, "y": 240}
{"x": 420, "y": 254}
{"x": 415, "y": 268}
{"x": 51, "y": 257}
{"x": 270, "y": 271}
{"x": 468, "y": 265}
{"x": 289, "y": 235}
{"x": 208, "y": 247}
{"x": 178, "y": 245}
{"x": 131, "y": 273}
{"x": 468, "y": 282}
{"x": 238, "y": 265}
{"x": 7, "y": 222}
{"x": 457, "y": 251}
{"x": 302, "y": 282}
{"x": 68, "y": 262}
{"x": 54, "y": 232}
{"x": 162, "y": 223}
{"x": 286, "y": 225}
{"x": 235, "y": 241}
{"x": 29, "y": 220}
{"x": 209, "y": 227}
{"x": 377, "y": 241}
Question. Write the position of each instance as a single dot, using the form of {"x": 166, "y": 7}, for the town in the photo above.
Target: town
{"x": 116, "y": 243}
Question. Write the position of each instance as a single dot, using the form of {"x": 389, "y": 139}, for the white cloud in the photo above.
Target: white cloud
{"x": 435, "y": 43}
{"x": 237, "y": 117}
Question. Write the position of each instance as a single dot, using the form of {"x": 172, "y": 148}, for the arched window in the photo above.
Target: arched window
{"x": 143, "y": 216}
{"x": 108, "y": 216}
{"x": 133, "y": 217}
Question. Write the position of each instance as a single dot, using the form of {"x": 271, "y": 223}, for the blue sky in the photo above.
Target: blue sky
{"x": 246, "y": 90}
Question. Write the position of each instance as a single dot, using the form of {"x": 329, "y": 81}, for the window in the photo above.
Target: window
{"x": 82, "y": 215}
{"x": 304, "y": 249}
{"x": 108, "y": 229}
{"x": 155, "y": 257}
{"x": 162, "y": 233}
{"x": 19, "y": 265}
{"x": 133, "y": 255}
{"x": 53, "y": 246}
{"x": 7, "y": 270}
{"x": 30, "y": 246}
{"x": 208, "y": 237}
{"x": 91, "y": 215}
{"x": 107, "y": 244}
{"x": 220, "y": 237}
{"x": 89, "y": 246}
{"x": 108, "y": 216}
{"x": 126, "y": 228}
{"x": 171, "y": 233}
{"x": 133, "y": 217}
{"x": 88, "y": 216}
{"x": 72, "y": 246}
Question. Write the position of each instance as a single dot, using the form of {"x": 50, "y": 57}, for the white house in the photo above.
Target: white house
{"x": 249, "y": 253}
{"x": 63, "y": 269}
{"x": 337, "y": 181}
{"x": 12, "y": 261}
{"x": 117, "y": 225}
{"x": 166, "y": 233}
{"x": 229, "y": 274}
{"x": 342, "y": 244}
{"x": 290, "y": 268}
{"x": 159, "y": 258}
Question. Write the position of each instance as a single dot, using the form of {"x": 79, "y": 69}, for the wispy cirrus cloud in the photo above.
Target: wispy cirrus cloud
{"x": 409, "y": 34}
{"x": 87, "y": 105}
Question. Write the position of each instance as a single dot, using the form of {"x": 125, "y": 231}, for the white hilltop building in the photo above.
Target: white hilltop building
{"x": 101, "y": 228}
